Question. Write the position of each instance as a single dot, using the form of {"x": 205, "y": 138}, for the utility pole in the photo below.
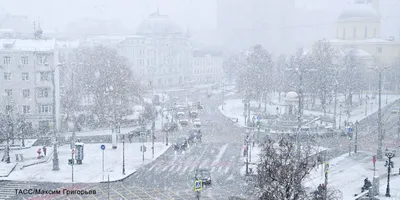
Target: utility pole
{"x": 299, "y": 114}
{"x": 326, "y": 181}
{"x": 334, "y": 108}
{"x": 223, "y": 94}
{"x": 247, "y": 156}
{"x": 379, "y": 150}
{"x": 123, "y": 154}
{"x": 153, "y": 129}
{"x": 55, "y": 152}
{"x": 356, "y": 141}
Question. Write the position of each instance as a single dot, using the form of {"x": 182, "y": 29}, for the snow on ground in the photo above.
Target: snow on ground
{"x": 91, "y": 169}
{"x": 347, "y": 173}
{"x": 234, "y": 109}
{"x": 18, "y": 144}
{"x": 394, "y": 189}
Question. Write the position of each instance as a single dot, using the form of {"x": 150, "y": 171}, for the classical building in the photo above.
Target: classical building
{"x": 26, "y": 81}
{"x": 160, "y": 52}
{"x": 359, "y": 27}
{"x": 207, "y": 66}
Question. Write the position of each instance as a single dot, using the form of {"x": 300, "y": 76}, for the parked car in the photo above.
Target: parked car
{"x": 197, "y": 123}
{"x": 204, "y": 175}
{"x": 180, "y": 144}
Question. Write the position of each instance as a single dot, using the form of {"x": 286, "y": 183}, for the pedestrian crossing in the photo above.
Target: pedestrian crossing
{"x": 189, "y": 164}
{"x": 7, "y": 188}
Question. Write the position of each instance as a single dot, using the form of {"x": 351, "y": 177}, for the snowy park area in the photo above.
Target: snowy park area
{"x": 234, "y": 108}
{"x": 91, "y": 169}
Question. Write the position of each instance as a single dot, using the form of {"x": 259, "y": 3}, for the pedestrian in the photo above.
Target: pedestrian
{"x": 44, "y": 150}
{"x": 39, "y": 151}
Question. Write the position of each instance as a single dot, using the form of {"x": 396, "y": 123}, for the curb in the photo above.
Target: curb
{"x": 40, "y": 162}
{"x": 10, "y": 171}
{"x": 122, "y": 179}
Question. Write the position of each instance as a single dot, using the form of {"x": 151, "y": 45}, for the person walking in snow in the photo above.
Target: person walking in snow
{"x": 39, "y": 151}
{"x": 44, "y": 150}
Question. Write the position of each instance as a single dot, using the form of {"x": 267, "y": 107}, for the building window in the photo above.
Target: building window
{"x": 26, "y": 109}
{"x": 45, "y": 76}
{"x": 379, "y": 49}
{"x": 43, "y": 92}
{"x": 42, "y": 59}
{"x": 24, "y": 60}
{"x": 7, "y": 76}
{"x": 354, "y": 32}
{"x": 25, "y": 76}
{"x": 44, "y": 109}
{"x": 8, "y": 92}
{"x": 26, "y": 93}
{"x": 7, "y": 60}
{"x": 344, "y": 33}
{"x": 365, "y": 32}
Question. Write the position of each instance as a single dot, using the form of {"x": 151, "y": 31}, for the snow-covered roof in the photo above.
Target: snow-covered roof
{"x": 358, "y": 11}
{"x": 364, "y": 41}
{"x": 27, "y": 45}
{"x": 358, "y": 52}
{"x": 68, "y": 44}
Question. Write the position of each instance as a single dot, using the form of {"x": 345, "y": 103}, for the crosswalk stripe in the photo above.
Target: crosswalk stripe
{"x": 204, "y": 163}
{"x": 226, "y": 170}
{"x": 191, "y": 169}
{"x": 172, "y": 168}
{"x": 219, "y": 169}
{"x": 152, "y": 167}
{"x": 213, "y": 169}
{"x": 177, "y": 169}
{"x": 165, "y": 168}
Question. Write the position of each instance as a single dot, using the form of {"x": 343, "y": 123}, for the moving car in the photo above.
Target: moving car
{"x": 183, "y": 122}
{"x": 194, "y": 135}
{"x": 180, "y": 144}
{"x": 193, "y": 113}
{"x": 197, "y": 123}
{"x": 204, "y": 175}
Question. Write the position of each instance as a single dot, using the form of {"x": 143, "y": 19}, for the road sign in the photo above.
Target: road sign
{"x": 374, "y": 159}
{"x": 70, "y": 161}
{"x": 103, "y": 147}
{"x": 350, "y": 129}
{"x": 198, "y": 185}
{"x": 73, "y": 151}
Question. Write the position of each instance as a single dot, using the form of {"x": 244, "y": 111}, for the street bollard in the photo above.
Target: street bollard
{"x": 375, "y": 185}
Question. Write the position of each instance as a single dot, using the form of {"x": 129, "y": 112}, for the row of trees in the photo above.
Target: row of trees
{"x": 323, "y": 70}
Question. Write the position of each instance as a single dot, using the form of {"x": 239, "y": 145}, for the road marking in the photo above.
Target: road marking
{"x": 129, "y": 190}
{"x": 220, "y": 154}
{"x": 213, "y": 169}
{"x": 152, "y": 167}
{"x": 230, "y": 177}
{"x": 165, "y": 168}
{"x": 179, "y": 167}
{"x": 105, "y": 194}
{"x": 172, "y": 168}
{"x": 219, "y": 169}
{"x": 204, "y": 163}
{"x": 120, "y": 195}
{"x": 226, "y": 170}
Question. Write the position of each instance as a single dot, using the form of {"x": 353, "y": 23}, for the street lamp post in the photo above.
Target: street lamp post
{"x": 55, "y": 151}
{"x": 356, "y": 140}
{"x": 340, "y": 115}
{"x": 223, "y": 94}
{"x": 379, "y": 150}
{"x": 389, "y": 165}
{"x": 123, "y": 153}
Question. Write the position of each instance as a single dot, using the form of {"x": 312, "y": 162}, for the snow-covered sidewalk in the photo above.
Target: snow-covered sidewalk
{"x": 347, "y": 173}
{"x": 91, "y": 169}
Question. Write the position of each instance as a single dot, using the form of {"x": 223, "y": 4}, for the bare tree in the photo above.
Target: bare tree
{"x": 281, "y": 172}
{"x": 105, "y": 79}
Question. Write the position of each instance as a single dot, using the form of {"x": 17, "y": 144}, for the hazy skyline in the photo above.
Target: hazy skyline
{"x": 56, "y": 14}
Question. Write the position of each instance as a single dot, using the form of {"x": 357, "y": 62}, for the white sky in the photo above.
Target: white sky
{"x": 197, "y": 14}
